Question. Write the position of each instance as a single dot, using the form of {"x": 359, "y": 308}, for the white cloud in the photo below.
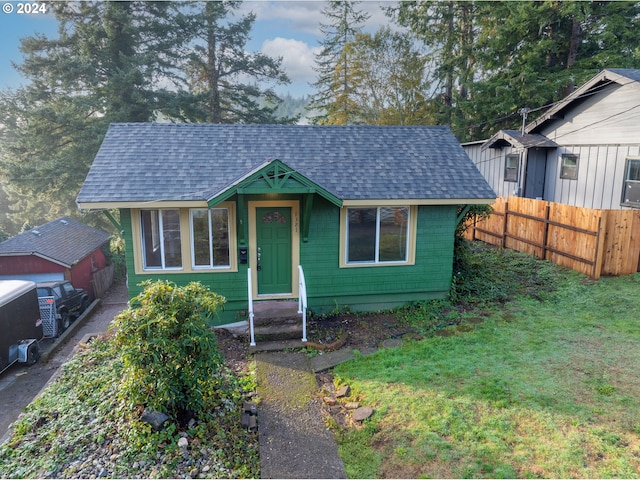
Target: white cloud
{"x": 297, "y": 57}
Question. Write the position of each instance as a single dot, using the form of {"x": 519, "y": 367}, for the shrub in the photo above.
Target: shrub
{"x": 171, "y": 359}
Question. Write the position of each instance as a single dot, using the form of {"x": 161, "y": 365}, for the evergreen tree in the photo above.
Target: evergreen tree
{"x": 541, "y": 51}
{"x": 104, "y": 67}
{"x": 491, "y": 59}
{"x": 389, "y": 80}
{"x": 334, "y": 97}
{"x": 223, "y": 77}
{"x": 448, "y": 31}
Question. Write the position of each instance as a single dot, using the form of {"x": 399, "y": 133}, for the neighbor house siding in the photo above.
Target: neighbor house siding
{"x": 600, "y": 176}
{"x": 368, "y": 287}
{"x": 607, "y": 118}
{"x": 491, "y": 163}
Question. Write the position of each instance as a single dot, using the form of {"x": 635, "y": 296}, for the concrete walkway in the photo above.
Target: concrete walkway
{"x": 294, "y": 440}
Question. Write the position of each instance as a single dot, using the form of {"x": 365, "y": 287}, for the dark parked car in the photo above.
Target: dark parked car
{"x": 70, "y": 301}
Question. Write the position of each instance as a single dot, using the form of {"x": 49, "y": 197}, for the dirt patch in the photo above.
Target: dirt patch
{"x": 346, "y": 330}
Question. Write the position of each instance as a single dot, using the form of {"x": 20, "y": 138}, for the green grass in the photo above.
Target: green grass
{"x": 544, "y": 381}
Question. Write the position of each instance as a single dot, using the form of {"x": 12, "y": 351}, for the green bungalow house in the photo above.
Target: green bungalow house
{"x": 367, "y": 212}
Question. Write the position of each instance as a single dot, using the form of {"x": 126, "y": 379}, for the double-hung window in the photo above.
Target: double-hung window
{"x": 161, "y": 239}
{"x": 631, "y": 187}
{"x": 377, "y": 235}
{"x": 511, "y": 167}
{"x": 210, "y": 238}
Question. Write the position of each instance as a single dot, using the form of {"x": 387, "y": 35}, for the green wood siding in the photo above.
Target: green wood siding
{"x": 233, "y": 286}
{"x": 365, "y": 288}
{"x": 377, "y": 287}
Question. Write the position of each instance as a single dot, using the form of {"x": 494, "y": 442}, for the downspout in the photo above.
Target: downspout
{"x": 522, "y": 178}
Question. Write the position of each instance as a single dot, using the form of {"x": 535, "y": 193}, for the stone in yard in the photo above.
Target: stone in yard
{"x": 330, "y": 401}
{"x": 251, "y": 408}
{"x": 362, "y": 413}
{"x": 253, "y": 423}
{"x": 245, "y": 420}
{"x": 351, "y": 405}
{"x": 392, "y": 343}
{"x": 183, "y": 443}
{"x": 343, "y": 391}
{"x": 155, "y": 419}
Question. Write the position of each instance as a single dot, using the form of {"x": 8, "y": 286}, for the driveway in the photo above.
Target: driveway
{"x": 19, "y": 384}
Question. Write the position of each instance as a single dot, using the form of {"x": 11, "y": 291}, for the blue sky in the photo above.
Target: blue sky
{"x": 287, "y": 29}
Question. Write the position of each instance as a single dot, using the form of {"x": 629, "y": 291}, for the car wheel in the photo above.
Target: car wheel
{"x": 65, "y": 321}
{"x": 84, "y": 305}
{"x": 33, "y": 354}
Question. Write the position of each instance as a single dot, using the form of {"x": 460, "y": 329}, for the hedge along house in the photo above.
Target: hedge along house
{"x": 368, "y": 212}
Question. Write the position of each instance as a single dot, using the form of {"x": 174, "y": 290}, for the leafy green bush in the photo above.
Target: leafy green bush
{"x": 171, "y": 359}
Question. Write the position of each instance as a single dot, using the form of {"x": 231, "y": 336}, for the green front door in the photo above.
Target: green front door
{"x": 273, "y": 235}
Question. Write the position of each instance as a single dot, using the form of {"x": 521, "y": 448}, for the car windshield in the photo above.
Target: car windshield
{"x": 48, "y": 292}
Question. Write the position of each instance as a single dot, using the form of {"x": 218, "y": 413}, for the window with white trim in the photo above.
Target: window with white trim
{"x": 631, "y": 187}
{"x": 569, "y": 166}
{"x": 161, "y": 241}
{"x": 377, "y": 235}
{"x": 210, "y": 238}
{"x": 511, "y": 167}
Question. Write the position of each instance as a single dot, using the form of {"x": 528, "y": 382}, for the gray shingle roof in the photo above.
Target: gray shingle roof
{"x": 65, "y": 241}
{"x": 517, "y": 139}
{"x": 630, "y": 73}
{"x": 140, "y": 162}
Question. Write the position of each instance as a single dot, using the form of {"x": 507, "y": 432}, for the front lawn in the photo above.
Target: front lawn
{"x": 536, "y": 376}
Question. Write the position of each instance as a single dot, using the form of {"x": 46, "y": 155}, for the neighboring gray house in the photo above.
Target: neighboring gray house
{"x": 584, "y": 151}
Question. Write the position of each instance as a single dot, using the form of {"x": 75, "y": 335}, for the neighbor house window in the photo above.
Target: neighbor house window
{"x": 210, "y": 238}
{"x": 569, "y": 166}
{"x": 631, "y": 188}
{"x": 377, "y": 235}
{"x": 161, "y": 243}
{"x": 511, "y": 167}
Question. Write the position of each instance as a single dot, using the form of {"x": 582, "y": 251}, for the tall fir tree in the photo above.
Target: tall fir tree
{"x": 104, "y": 67}
{"x": 447, "y": 29}
{"x": 224, "y": 79}
{"x": 389, "y": 79}
{"x": 494, "y": 58}
{"x": 333, "y": 102}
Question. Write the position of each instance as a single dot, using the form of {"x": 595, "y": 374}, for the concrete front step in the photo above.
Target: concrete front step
{"x": 277, "y": 346}
{"x": 276, "y": 320}
{"x": 276, "y": 312}
{"x": 284, "y": 331}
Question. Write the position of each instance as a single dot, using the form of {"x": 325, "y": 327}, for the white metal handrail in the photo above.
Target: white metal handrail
{"x": 250, "y": 292}
{"x": 302, "y": 301}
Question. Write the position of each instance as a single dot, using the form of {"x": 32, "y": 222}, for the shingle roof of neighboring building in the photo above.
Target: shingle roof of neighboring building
{"x": 630, "y": 73}
{"x": 517, "y": 139}
{"x": 64, "y": 241}
{"x": 141, "y": 162}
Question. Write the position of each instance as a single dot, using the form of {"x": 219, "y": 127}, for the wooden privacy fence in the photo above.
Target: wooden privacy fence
{"x": 594, "y": 242}
{"x": 102, "y": 280}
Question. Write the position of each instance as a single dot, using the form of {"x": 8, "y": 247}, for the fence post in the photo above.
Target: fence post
{"x": 600, "y": 241}
{"x": 504, "y": 225}
{"x": 545, "y": 240}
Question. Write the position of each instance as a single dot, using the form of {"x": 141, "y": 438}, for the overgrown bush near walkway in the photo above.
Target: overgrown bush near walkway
{"x": 535, "y": 376}
{"x": 87, "y": 424}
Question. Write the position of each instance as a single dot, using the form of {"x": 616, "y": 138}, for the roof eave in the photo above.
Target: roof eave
{"x": 577, "y": 93}
{"x": 39, "y": 255}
